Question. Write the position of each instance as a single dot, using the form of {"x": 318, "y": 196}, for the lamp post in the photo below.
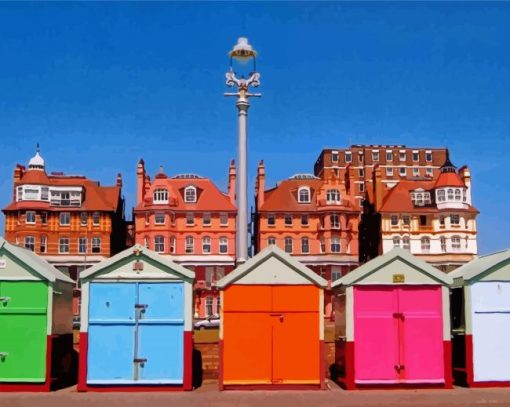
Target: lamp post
{"x": 243, "y": 53}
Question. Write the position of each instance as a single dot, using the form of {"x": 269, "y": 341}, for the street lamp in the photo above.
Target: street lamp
{"x": 244, "y": 54}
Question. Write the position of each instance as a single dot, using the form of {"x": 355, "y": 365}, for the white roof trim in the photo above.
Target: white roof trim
{"x": 481, "y": 265}
{"x": 35, "y": 262}
{"x": 271, "y": 251}
{"x": 164, "y": 261}
{"x": 397, "y": 253}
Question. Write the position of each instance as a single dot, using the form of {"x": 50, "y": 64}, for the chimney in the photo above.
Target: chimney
{"x": 378, "y": 187}
{"x": 119, "y": 180}
{"x": 260, "y": 185}
{"x": 465, "y": 176}
{"x": 232, "y": 182}
{"x": 140, "y": 181}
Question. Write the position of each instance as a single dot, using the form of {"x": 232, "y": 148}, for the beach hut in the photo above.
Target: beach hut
{"x": 36, "y": 332}
{"x": 392, "y": 324}
{"x": 136, "y": 324}
{"x": 272, "y": 324}
{"x": 481, "y": 321}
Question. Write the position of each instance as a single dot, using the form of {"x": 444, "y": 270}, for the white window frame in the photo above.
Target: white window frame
{"x": 402, "y": 171}
{"x": 271, "y": 240}
{"x": 305, "y": 245}
{"x": 406, "y": 243}
{"x": 333, "y": 196}
{"x": 389, "y": 155}
{"x": 334, "y": 156}
{"x": 223, "y": 245}
{"x": 172, "y": 244}
{"x": 304, "y": 195}
{"x": 455, "y": 247}
{"x": 416, "y": 172}
{"x": 95, "y": 245}
{"x": 190, "y": 197}
{"x": 348, "y": 157}
{"x": 43, "y": 244}
{"x": 416, "y": 156}
{"x": 428, "y": 154}
{"x": 375, "y": 155}
{"x": 334, "y": 220}
{"x": 190, "y": 219}
{"x": 206, "y": 219}
{"x": 288, "y": 244}
{"x": 454, "y": 219}
{"x": 389, "y": 171}
{"x": 271, "y": 219}
{"x": 335, "y": 245}
{"x": 30, "y": 243}
{"x": 82, "y": 244}
{"x": 160, "y": 196}
{"x": 190, "y": 245}
{"x": 159, "y": 243}
{"x": 68, "y": 218}
{"x": 286, "y": 217}
{"x": 425, "y": 244}
{"x": 96, "y": 219}
{"x": 84, "y": 218}
{"x": 396, "y": 241}
{"x": 159, "y": 218}
{"x": 206, "y": 245}
{"x": 305, "y": 220}
{"x": 223, "y": 218}
{"x": 63, "y": 242}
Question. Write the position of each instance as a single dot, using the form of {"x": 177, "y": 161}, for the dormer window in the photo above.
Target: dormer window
{"x": 441, "y": 195}
{"x": 160, "y": 196}
{"x": 333, "y": 196}
{"x": 421, "y": 198}
{"x": 190, "y": 194}
{"x": 304, "y": 195}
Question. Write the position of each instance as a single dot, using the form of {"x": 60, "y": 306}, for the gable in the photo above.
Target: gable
{"x": 501, "y": 272}
{"x": 13, "y": 269}
{"x": 275, "y": 272}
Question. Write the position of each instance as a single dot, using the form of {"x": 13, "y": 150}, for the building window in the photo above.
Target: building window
{"x": 43, "y": 244}
{"x": 190, "y": 194}
{"x": 416, "y": 172}
{"x": 428, "y": 156}
{"x": 19, "y": 194}
{"x": 271, "y": 240}
{"x": 458, "y": 194}
{"x": 450, "y": 194}
{"x": 443, "y": 244}
{"x": 84, "y": 218}
{"x": 441, "y": 220}
{"x": 323, "y": 245}
{"x": 96, "y": 245}
{"x": 95, "y": 218}
{"x": 271, "y": 220}
{"x": 403, "y": 171}
{"x": 45, "y": 196}
{"x": 44, "y": 218}
{"x": 159, "y": 244}
{"x": 335, "y": 245}
{"x": 65, "y": 218}
{"x": 223, "y": 245}
{"x": 206, "y": 219}
{"x": 160, "y": 196}
{"x": 348, "y": 157}
{"x": 389, "y": 155}
{"x": 159, "y": 218}
{"x": 172, "y": 244}
{"x": 30, "y": 217}
{"x": 147, "y": 218}
{"x": 223, "y": 218}
{"x": 361, "y": 172}
{"x": 190, "y": 219}
{"x": 63, "y": 245}
{"x": 335, "y": 275}
{"x": 305, "y": 247}
{"x": 288, "y": 220}
{"x": 304, "y": 220}
{"x": 394, "y": 220}
{"x": 288, "y": 244}
{"x": 334, "y": 156}
{"x": 333, "y": 196}
{"x": 389, "y": 171}
{"x": 396, "y": 241}
{"x": 146, "y": 242}
{"x": 440, "y": 195}
{"x": 190, "y": 245}
{"x": 428, "y": 172}
{"x": 454, "y": 219}
{"x": 423, "y": 220}
{"x": 425, "y": 244}
{"x": 375, "y": 155}
{"x": 361, "y": 187}
{"x": 335, "y": 221}
{"x": 406, "y": 220}
{"x": 304, "y": 195}
{"x": 30, "y": 242}
{"x": 406, "y": 243}
{"x": 218, "y": 299}
{"x": 402, "y": 155}
{"x": 416, "y": 156}
{"x": 206, "y": 245}
{"x": 31, "y": 194}
{"x": 209, "y": 306}
{"x": 82, "y": 245}
{"x": 360, "y": 158}
{"x": 455, "y": 243}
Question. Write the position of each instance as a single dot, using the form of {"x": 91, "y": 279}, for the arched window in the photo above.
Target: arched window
{"x": 335, "y": 245}
{"x": 406, "y": 243}
{"x": 458, "y": 194}
{"x": 288, "y": 244}
{"x": 440, "y": 195}
{"x": 335, "y": 221}
{"x": 425, "y": 244}
{"x": 450, "y": 194}
{"x": 304, "y": 195}
{"x": 396, "y": 241}
{"x": 190, "y": 194}
{"x": 305, "y": 245}
{"x": 160, "y": 196}
{"x": 223, "y": 245}
{"x": 333, "y": 196}
{"x": 206, "y": 245}
{"x": 30, "y": 242}
{"x": 190, "y": 245}
{"x": 159, "y": 244}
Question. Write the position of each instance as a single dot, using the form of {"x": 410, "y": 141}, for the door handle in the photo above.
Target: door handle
{"x": 5, "y": 299}
{"x": 141, "y": 306}
{"x": 142, "y": 361}
{"x": 398, "y": 368}
{"x": 277, "y": 315}
{"x": 399, "y": 315}
{"x": 3, "y": 355}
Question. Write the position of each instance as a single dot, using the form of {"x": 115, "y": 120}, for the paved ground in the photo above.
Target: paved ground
{"x": 207, "y": 396}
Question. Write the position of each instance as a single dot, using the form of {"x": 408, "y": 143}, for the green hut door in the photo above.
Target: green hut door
{"x": 23, "y": 316}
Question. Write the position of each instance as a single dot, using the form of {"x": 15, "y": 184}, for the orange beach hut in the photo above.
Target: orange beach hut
{"x": 272, "y": 325}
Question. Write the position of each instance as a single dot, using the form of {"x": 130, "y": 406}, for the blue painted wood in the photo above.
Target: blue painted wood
{"x": 111, "y": 332}
{"x": 164, "y": 300}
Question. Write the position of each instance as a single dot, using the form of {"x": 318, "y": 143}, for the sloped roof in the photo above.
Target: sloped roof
{"x": 143, "y": 252}
{"x": 271, "y": 251}
{"x": 373, "y": 265}
{"x": 35, "y": 262}
{"x": 449, "y": 179}
{"x": 481, "y": 265}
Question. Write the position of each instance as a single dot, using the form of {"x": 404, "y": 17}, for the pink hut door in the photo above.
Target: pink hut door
{"x": 376, "y": 345}
{"x": 421, "y": 334}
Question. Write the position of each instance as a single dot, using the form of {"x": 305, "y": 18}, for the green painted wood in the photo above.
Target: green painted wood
{"x": 23, "y": 322}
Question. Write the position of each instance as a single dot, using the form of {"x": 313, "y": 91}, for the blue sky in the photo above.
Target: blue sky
{"x": 101, "y": 85}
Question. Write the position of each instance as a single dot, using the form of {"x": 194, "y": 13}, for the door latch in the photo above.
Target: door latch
{"x": 142, "y": 361}
{"x": 277, "y": 315}
{"x": 399, "y": 368}
{"x": 3, "y": 355}
{"x": 5, "y": 299}
{"x": 399, "y": 315}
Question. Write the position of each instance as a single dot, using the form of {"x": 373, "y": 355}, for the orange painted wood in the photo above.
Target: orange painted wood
{"x": 246, "y": 348}
{"x": 295, "y": 298}
{"x": 253, "y": 298}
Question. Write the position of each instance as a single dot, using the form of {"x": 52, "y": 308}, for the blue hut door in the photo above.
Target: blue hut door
{"x": 160, "y": 350}
{"x": 136, "y": 333}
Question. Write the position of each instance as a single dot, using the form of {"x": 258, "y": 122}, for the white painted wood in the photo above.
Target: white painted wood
{"x": 491, "y": 330}
{"x": 445, "y": 291}
{"x": 349, "y": 311}
{"x": 84, "y": 309}
{"x": 321, "y": 315}
{"x": 188, "y": 306}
